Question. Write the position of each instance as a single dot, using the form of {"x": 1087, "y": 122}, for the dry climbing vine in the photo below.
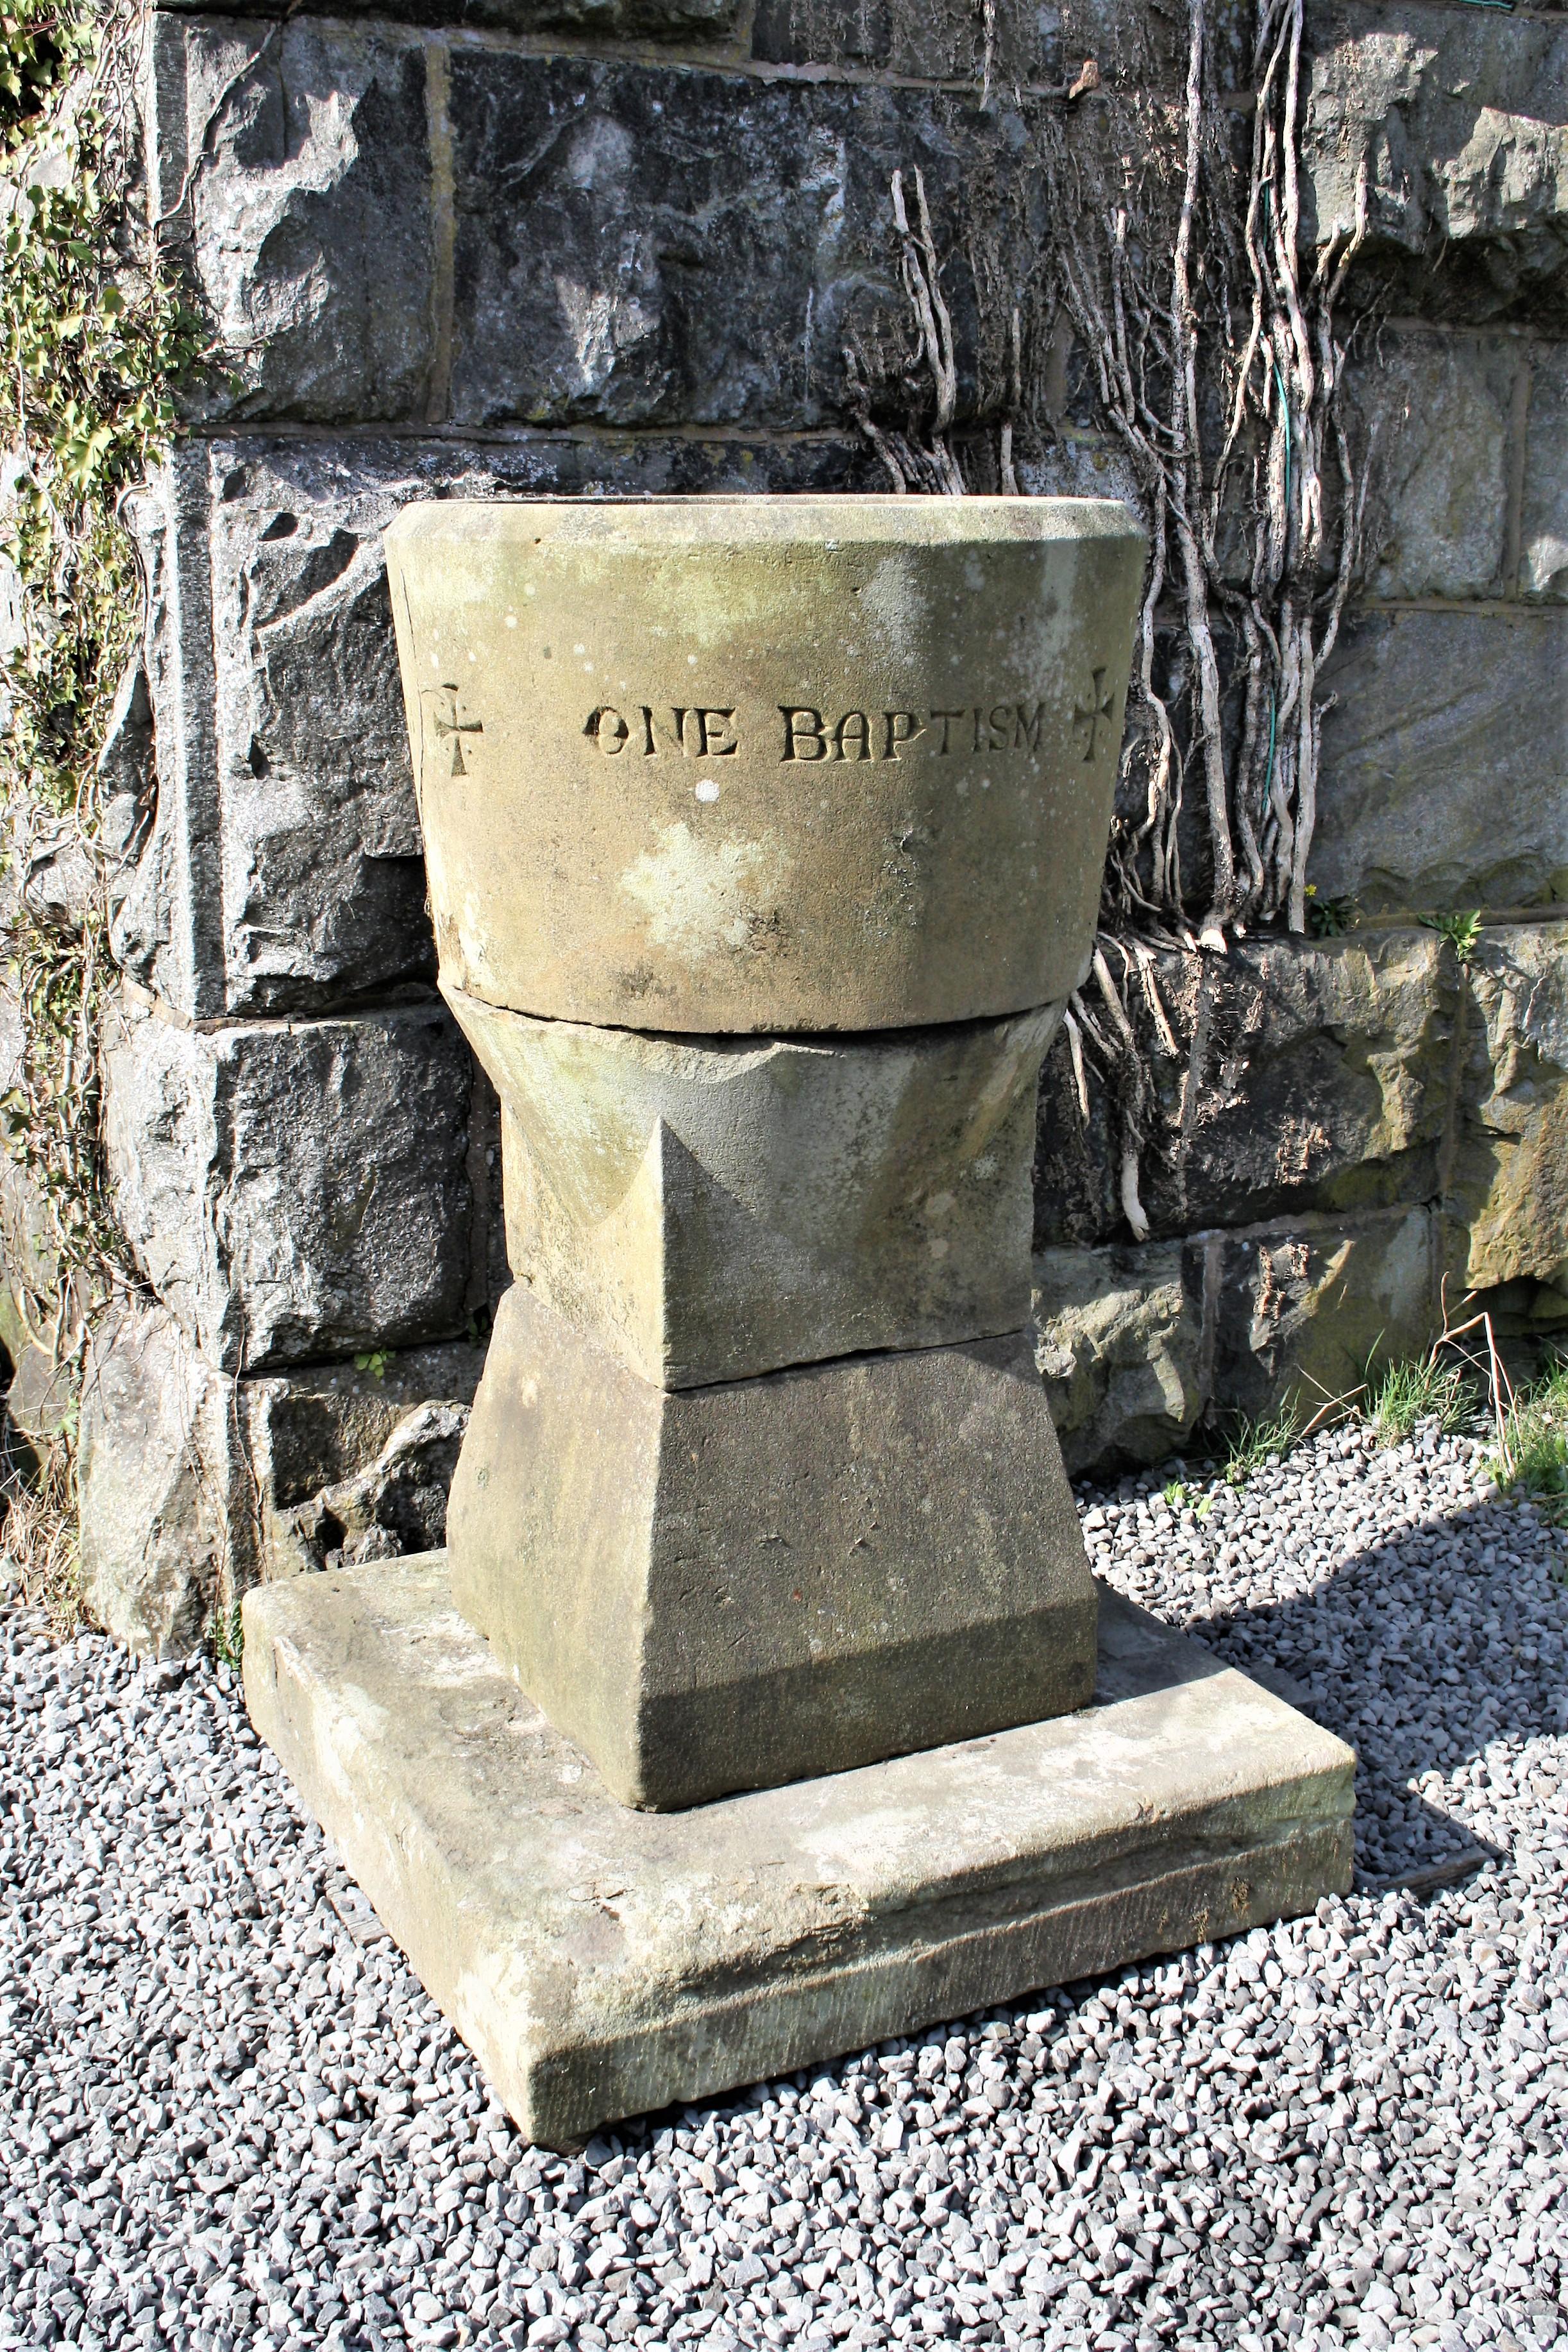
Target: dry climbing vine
{"x": 1217, "y": 370}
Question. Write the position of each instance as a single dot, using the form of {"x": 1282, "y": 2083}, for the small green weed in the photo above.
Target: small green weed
{"x": 1255, "y": 1442}
{"x": 1532, "y": 1457}
{"x": 1175, "y": 1494}
{"x": 226, "y": 1637}
{"x": 1330, "y": 919}
{"x": 374, "y": 1362}
{"x": 1461, "y": 928}
{"x": 1405, "y": 1394}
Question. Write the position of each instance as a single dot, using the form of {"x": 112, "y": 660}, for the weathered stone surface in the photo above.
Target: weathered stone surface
{"x": 290, "y": 170}
{"x": 1543, "y": 520}
{"x": 284, "y": 871}
{"x": 1509, "y": 1191}
{"x": 1002, "y": 50}
{"x": 633, "y": 245}
{"x": 1435, "y": 411}
{"x": 891, "y": 811}
{"x": 734, "y": 1586}
{"x": 1460, "y": 118}
{"x": 1305, "y": 1312}
{"x": 1144, "y": 1351}
{"x": 162, "y": 1500}
{"x": 599, "y": 1962}
{"x": 355, "y": 1458}
{"x": 687, "y": 21}
{"x": 712, "y": 1208}
{"x": 937, "y": 40}
{"x": 1445, "y": 761}
{"x": 1120, "y": 1347}
{"x": 193, "y": 1486}
{"x": 701, "y": 247}
{"x": 1312, "y": 1074}
{"x": 294, "y": 1191}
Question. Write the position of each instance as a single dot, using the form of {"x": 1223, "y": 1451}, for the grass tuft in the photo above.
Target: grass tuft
{"x": 1461, "y": 927}
{"x": 1532, "y": 1457}
{"x": 1254, "y": 1443}
{"x": 1427, "y": 1390}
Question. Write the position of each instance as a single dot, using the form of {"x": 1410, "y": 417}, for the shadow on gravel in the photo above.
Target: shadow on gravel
{"x": 1423, "y": 1652}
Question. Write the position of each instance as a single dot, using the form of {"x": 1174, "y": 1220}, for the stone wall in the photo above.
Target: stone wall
{"x": 569, "y": 246}
{"x": 1356, "y": 1130}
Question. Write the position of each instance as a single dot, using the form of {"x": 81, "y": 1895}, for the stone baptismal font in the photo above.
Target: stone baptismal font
{"x": 763, "y": 1704}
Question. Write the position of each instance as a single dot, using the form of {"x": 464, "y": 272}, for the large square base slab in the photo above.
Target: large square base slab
{"x": 599, "y": 1962}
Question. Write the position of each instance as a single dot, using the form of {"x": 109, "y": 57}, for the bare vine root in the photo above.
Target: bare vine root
{"x": 1240, "y": 532}
{"x": 1219, "y": 374}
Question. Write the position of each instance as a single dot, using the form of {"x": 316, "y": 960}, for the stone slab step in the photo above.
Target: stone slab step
{"x": 600, "y": 1962}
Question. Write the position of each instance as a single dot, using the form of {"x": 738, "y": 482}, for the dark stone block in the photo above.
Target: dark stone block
{"x": 638, "y": 246}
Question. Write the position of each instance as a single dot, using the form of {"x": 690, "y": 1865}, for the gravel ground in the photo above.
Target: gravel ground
{"x": 228, "y": 2116}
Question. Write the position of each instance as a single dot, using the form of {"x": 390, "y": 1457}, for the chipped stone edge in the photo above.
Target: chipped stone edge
{"x": 567, "y": 2067}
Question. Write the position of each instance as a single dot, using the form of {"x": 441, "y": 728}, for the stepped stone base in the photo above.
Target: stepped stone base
{"x": 600, "y": 1962}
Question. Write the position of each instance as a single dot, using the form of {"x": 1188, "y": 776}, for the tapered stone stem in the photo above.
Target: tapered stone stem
{"x": 764, "y": 842}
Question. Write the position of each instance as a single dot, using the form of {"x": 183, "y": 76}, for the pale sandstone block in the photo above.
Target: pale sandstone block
{"x": 738, "y": 1585}
{"x": 797, "y": 764}
{"x": 1509, "y": 1185}
{"x": 600, "y": 1962}
{"x": 715, "y": 1207}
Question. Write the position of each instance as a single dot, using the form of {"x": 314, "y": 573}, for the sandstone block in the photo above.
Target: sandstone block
{"x": 1312, "y": 1074}
{"x": 699, "y": 246}
{"x": 1304, "y": 1312}
{"x": 1508, "y": 1189}
{"x": 297, "y": 1191}
{"x": 738, "y": 1585}
{"x": 1462, "y": 120}
{"x": 1120, "y": 1347}
{"x": 730, "y": 764}
{"x": 686, "y": 21}
{"x": 160, "y": 1492}
{"x": 937, "y": 40}
{"x": 1145, "y": 1351}
{"x": 353, "y": 1461}
{"x": 193, "y": 1486}
{"x": 284, "y": 870}
{"x": 599, "y": 1962}
{"x": 1445, "y": 761}
{"x": 715, "y": 1207}
{"x": 946, "y": 41}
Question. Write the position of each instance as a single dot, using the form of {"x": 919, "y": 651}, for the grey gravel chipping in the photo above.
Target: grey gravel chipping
{"x": 229, "y": 2117}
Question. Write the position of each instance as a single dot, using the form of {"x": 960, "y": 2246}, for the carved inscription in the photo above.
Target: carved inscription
{"x": 449, "y": 721}
{"x": 807, "y": 733}
{"x": 701, "y": 734}
{"x": 1086, "y": 719}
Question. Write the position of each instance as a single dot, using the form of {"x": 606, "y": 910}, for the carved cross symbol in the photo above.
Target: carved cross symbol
{"x": 1099, "y": 707}
{"x": 446, "y": 717}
